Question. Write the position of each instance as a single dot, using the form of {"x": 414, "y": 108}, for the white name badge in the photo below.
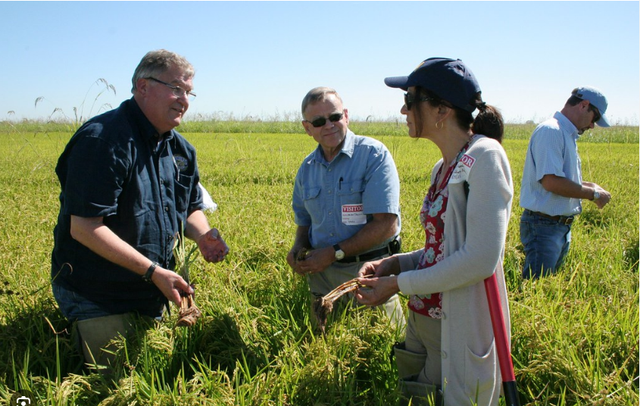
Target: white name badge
{"x": 461, "y": 171}
{"x": 352, "y": 215}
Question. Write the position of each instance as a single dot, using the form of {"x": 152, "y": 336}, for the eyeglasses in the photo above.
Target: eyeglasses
{"x": 596, "y": 113}
{"x": 410, "y": 98}
{"x": 177, "y": 90}
{"x": 320, "y": 121}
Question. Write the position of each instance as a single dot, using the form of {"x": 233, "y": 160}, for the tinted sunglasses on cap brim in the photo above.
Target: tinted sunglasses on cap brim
{"x": 320, "y": 121}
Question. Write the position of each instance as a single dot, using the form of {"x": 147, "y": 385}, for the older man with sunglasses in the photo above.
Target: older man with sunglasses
{"x": 346, "y": 201}
{"x": 552, "y": 187}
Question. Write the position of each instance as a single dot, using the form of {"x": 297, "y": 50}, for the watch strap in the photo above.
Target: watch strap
{"x": 147, "y": 275}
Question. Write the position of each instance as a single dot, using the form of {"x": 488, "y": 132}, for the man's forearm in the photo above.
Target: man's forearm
{"x": 567, "y": 188}
{"x": 93, "y": 234}
{"x": 382, "y": 227}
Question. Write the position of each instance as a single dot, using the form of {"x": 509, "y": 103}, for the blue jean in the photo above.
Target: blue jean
{"x": 546, "y": 244}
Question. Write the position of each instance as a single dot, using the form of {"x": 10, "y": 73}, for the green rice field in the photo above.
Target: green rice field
{"x": 574, "y": 335}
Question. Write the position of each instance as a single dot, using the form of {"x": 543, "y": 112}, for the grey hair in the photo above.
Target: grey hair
{"x": 157, "y": 62}
{"x": 318, "y": 94}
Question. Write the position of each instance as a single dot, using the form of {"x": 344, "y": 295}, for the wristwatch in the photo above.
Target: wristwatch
{"x": 147, "y": 276}
{"x": 596, "y": 195}
{"x": 339, "y": 252}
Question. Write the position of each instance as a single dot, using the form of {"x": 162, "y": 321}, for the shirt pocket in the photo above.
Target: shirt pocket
{"x": 183, "y": 192}
{"x": 311, "y": 199}
{"x": 350, "y": 192}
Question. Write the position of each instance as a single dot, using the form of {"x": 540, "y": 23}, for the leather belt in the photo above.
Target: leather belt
{"x": 392, "y": 248}
{"x": 566, "y": 220}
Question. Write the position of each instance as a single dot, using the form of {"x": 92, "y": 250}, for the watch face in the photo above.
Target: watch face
{"x": 339, "y": 254}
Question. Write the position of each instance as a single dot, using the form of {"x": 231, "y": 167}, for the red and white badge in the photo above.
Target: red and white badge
{"x": 461, "y": 172}
{"x": 352, "y": 214}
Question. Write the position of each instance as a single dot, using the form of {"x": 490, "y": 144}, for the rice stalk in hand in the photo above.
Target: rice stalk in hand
{"x": 189, "y": 312}
{"x": 302, "y": 254}
{"x": 323, "y": 305}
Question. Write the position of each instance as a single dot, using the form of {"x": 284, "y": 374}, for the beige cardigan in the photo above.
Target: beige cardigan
{"x": 474, "y": 250}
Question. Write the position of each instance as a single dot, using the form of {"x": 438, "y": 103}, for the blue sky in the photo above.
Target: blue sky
{"x": 259, "y": 59}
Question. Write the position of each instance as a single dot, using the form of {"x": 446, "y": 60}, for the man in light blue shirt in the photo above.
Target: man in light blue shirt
{"x": 552, "y": 187}
{"x": 346, "y": 200}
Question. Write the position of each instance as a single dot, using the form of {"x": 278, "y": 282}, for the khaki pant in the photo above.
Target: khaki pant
{"x": 424, "y": 337}
{"x": 97, "y": 335}
{"x": 411, "y": 366}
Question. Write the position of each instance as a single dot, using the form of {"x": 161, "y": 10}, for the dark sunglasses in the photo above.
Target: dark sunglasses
{"x": 410, "y": 98}
{"x": 320, "y": 121}
{"x": 596, "y": 113}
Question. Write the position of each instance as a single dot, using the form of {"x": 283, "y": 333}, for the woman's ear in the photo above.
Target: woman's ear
{"x": 444, "y": 112}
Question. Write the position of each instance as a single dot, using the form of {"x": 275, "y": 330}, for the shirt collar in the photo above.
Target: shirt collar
{"x": 347, "y": 148}
{"x": 566, "y": 125}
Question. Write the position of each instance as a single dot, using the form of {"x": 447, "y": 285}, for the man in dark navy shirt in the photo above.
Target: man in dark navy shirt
{"x": 129, "y": 188}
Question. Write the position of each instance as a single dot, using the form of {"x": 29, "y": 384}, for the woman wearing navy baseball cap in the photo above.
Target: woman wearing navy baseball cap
{"x": 449, "y": 353}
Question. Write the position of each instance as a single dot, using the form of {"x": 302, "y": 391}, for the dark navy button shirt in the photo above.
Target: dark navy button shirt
{"x": 144, "y": 186}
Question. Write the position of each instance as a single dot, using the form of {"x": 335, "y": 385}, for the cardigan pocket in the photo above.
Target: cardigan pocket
{"x": 481, "y": 373}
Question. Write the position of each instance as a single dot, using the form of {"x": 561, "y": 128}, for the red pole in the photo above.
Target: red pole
{"x": 502, "y": 341}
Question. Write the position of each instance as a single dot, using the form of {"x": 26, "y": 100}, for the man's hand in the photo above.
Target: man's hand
{"x": 170, "y": 284}
{"x": 295, "y": 258}
{"x": 314, "y": 261}
{"x": 604, "y": 198}
{"x": 212, "y": 246}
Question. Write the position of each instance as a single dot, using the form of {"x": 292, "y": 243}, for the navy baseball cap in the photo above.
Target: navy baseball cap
{"x": 449, "y": 79}
{"x": 595, "y": 97}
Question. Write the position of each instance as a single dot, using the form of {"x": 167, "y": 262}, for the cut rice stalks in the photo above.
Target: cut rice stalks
{"x": 189, "y": 312}
{"x": 323, "y": 305}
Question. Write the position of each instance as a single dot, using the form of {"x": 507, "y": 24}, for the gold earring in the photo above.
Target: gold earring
{"x": 441, "y": 127}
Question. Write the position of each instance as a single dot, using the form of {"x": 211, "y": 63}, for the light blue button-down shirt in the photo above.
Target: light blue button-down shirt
{"x": 327, "y": 195}
{"x": 552, "y": 151}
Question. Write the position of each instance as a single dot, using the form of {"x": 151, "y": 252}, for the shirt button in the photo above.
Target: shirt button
{"x": 166, "y": 208}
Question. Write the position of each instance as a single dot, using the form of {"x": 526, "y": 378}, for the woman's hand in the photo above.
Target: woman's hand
{"x": 376, "y": 291}
{"x": 382, "y": 267}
